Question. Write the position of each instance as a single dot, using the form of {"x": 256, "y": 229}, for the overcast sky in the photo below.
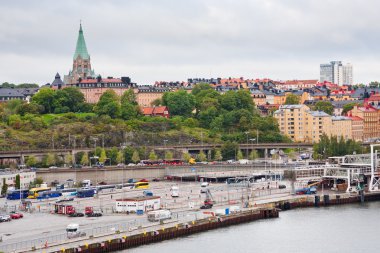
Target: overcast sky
{"x": 174, "y": 40}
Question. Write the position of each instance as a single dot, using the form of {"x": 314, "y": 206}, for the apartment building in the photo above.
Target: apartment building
{"x": 301, "y": 124}
{"x": 370, "y": 116}
{"x": 357, "y": 128}
{"x": 341, "y": 127}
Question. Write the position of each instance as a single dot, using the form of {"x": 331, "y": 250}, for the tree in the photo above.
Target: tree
{"x": 135, "y": 156}
{"x": 69, "y": 99}
{"x": 129, "y": 96}
{"x": 109, "y": 104}
{"x": 31, "y": 161}
{"x": 186, "y": 156}
{"x": 348, "y": 107}
{"x": 84, "y": 160}
{"x": 253, "y": 155}
{"x": 168, "y": 155}
{"x": 4, "y": 188}
{"x": 239, "y": 155}
{"x": 228, "y": 150}
{"x": 324, "y": 106}
{"x": 292, "y": 99}
{"x": 156, "y": 102}
{"x": 179, "y": 103}
{"x": 152, "y": 155}
{"x": 112, "y": 155}
{"x": 218, "y": 155}
{"x": 374, "y": 84}
{"x": 103, "y": 156}
{"x": 50, "y": 159}
{"x": 120, "y": 157}
{"x": 17, "y": 182}
{"x": 202, "y": 156}
{"x": 68, "y": 159}
{"x": 45, "y": 97}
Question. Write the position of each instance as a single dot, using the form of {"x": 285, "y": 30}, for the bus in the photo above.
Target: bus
{"x": 141, "y": 185}
{"x": 15, "y": 194}
{"x": 69, "y": 192}
{"x": 34, "y": 192}
{"x": 174, "y": 162}
{"x": 105, "y": 188}
{"x": 49, "y": 194}
{"x": 151, "y": 162}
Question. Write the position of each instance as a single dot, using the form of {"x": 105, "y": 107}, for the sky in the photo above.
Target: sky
{"x": 167, "y": 40}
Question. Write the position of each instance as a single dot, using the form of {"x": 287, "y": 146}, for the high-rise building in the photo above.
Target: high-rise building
{"x": 81, "y": 62}
{"x": 337, "y": 73}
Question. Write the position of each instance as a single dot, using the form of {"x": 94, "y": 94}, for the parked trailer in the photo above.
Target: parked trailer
{"x": 86, "y": 193}
{"x": 159, "y": 215}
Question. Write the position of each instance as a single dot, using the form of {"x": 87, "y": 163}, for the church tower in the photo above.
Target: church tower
{"x": 81, "y": 62}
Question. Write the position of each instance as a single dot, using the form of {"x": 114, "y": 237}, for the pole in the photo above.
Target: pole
{"x": 257, "y": 136}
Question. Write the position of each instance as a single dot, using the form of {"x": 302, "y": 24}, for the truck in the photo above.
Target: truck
{"x": 204, "y": 187}
{"x": 307, "y": 190}
{"x": 73, "y": 231}
{"x": 86, "y": 183}
{"x": 91, "y": 212}
{"x": 159, "y": 215}
{"x": 174, "y": 191}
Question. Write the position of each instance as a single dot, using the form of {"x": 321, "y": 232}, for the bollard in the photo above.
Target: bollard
{"x": 316, "y": 201}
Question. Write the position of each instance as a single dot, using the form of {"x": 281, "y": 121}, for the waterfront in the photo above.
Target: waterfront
{"x": 350, "y": 228}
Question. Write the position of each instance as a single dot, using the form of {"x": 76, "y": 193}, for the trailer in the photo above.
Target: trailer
{"x": 159, "y": 215}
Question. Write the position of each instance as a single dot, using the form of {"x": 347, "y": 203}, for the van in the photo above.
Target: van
{"x": 174, "y": 191}
{"x": 204, "y": 187}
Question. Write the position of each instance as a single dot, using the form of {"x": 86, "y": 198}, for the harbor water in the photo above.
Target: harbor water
{"x": 349, "y": 228}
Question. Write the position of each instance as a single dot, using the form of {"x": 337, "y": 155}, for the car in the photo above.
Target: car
{"x": 64, "y": 200}
{"x": 16, "y": 215}
{"x": 103, "y": 183}
{"x": 206, "y": 206}
{"x": 144, "y": 180}
{"x": 156, "y": 180}
{"x": 131, "y": 164}
{"x": 76, "y": 166}
{"x": 76, "y": 215}
{"x": 120, "y": 165}
{"x": 5, "y": 217}
{"x": 53, "y": 167}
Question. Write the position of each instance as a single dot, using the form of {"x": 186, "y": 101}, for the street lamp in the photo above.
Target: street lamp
{"x": 246, "y": 150}
{"x": 252, "y": 140}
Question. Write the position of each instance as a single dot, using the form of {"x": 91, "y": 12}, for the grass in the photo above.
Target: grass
{"x": 48, "y": 118}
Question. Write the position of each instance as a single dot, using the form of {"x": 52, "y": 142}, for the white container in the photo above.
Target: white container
{"x": 159, "y": 215}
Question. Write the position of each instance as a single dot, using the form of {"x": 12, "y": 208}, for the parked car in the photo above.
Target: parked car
{"x": 156, "y": 180}
{"x": 144, "y": 180}
{"x": 53, "y": 167}
{"x": 16, "y": 215}
{"x": 76, "y": 166}
{"x": 120, "y": 165}
{"x": 206, "y": 206}
{"x": 5, "y": 217}
{"x": 131, "y": 164}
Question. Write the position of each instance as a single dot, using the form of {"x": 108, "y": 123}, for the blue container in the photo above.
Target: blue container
{"x": 227, "y": 211}
{"x": 140, "y": 212}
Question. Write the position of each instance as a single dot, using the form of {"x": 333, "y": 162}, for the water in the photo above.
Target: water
{"x": 350, "y": 228}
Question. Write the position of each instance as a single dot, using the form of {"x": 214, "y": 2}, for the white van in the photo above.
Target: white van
{"x": 174, "y": 191}
{"x": 73, "y": 231}
{"x": 86, "y": 183}
{"x": 159, "y": 215}
{"x": 204, "y": 187}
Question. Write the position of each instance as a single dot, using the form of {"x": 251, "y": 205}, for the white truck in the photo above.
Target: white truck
{"x": 174, "y": 191}
{"x": 204, "y": 187}
{"x": 159, "y": 215}
{"x": 73, "y": 231}
{"x": 86, "y": 183}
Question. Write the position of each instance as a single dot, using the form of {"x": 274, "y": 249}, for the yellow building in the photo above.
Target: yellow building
{"x": 301, "y": 124}
{"x": 341, "y": 127}
{"x": 370, "y": 116}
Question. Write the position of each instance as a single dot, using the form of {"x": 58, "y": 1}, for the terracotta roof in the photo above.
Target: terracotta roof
{"x": 107, "y": 80}
{"x": 154, "y": 110}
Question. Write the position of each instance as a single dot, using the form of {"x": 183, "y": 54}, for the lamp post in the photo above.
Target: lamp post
{"x": 252, "y": 140}
{"x": 246, "y": 150}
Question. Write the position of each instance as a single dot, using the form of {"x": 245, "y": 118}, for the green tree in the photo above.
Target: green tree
{"x": 109, "y": 104}
{"x": 112, "y": 155}
{"x": 156, "y": 102}
{"x": 253, "y": 155}
{"x": 50, "y": 159}
{"x": 324, "y": 106}
{"x": 84, "y": 160}
{"x": 218, "y": 155}
{"x": 348, "y": 107}
{"x": 228, "y": 150}
{"x": 179, "y": 103}
{"x": 202, "y": 156}
{"x": 152, "y": 155}
{"x": 129, "y": 96}
{"x": 239, "y": 155}
{"x": 292, "y": 99}
{"x": 186, "y": 156}
{"x": 45, "y": 97}
{"x": 31, "y": 108}
{"x": 103, "y": 156}
{"x": 168, "y": 155}
{"x": 17, "y": 182}
{"x": 120, "y": 157}
{"x": 4, "y": 187}
{"x": 69, "y": 99}
{"x": 31, "y": 161}
{"x": 68, "y": 159}
{"x": 135, "y": 157}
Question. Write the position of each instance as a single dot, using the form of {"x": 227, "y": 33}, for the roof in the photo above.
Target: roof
{"x": 154, "y": 110}
{"x": 81, "y": 48}
{"x": 355, "y": 118}
{"x": 291, "y": 106}
{"x": 336, "y": 118}
{"x": 9, "y": 92}
{"x": 139, "y": 198}
{"x": 319, "y": 114}
{"x": 57, "y": 81}
{"x": 106, "y": 80}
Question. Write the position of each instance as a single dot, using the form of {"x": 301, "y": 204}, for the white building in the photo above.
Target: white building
{"x": 145, "y": 203}
{"x": 337, "y": 73}
{"x": 10, "y": 178}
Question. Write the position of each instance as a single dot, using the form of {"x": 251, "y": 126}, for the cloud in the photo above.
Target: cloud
{"x": 151, "y": 40}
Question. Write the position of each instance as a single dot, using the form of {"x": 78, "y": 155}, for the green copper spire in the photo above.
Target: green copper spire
{"x": 81, "y": 49}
